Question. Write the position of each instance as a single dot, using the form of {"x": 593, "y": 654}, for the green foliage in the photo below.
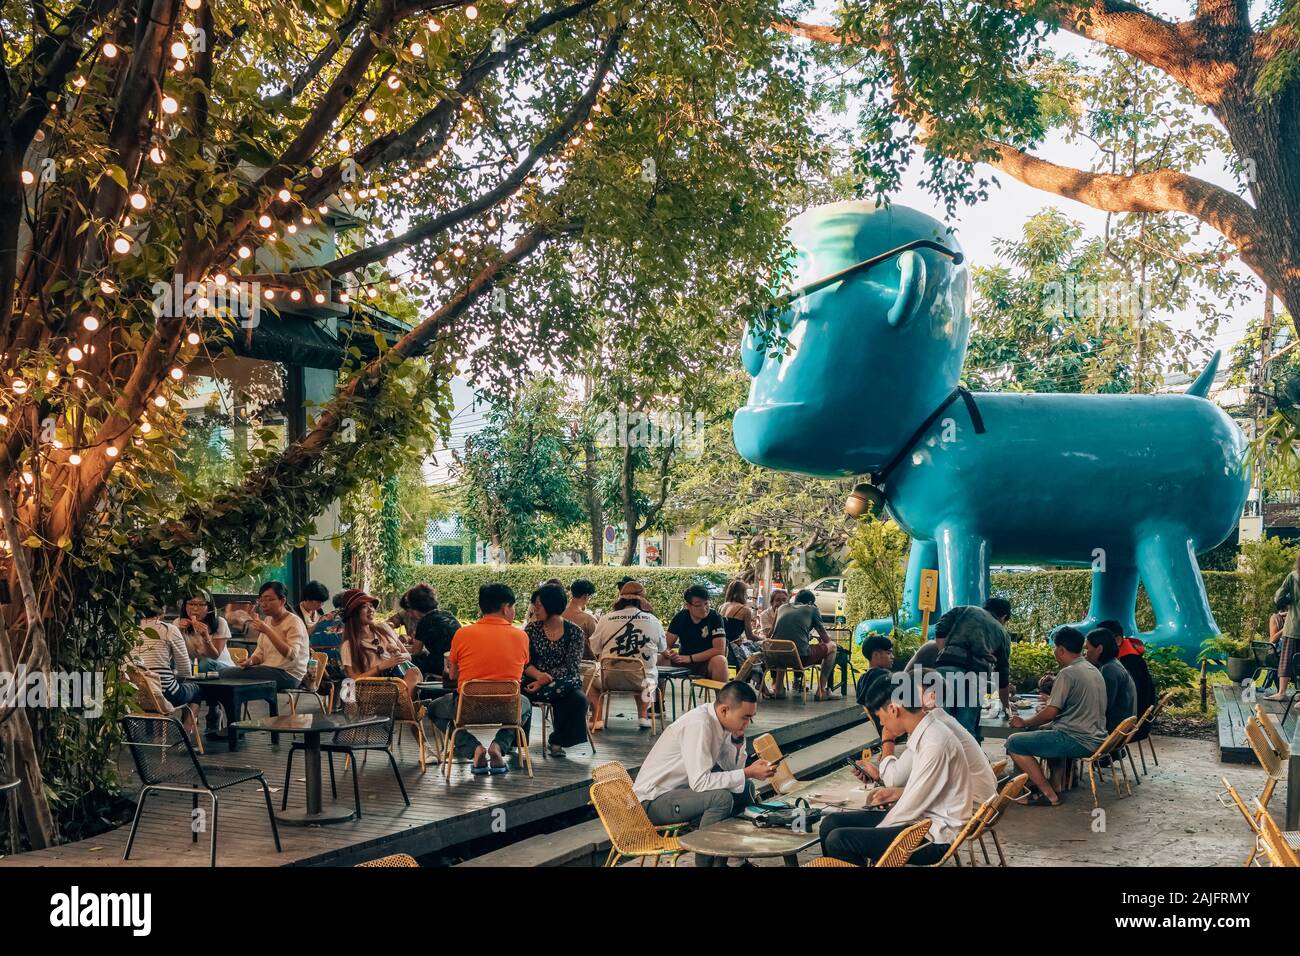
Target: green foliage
{"x": 1264, "y": 564}
{"x": 1029, "y": 661}
{"x": 878, "y": 551}
{"x": 1040, "y": 600}
{"x": 1168, "y": 670}
{"x": 457, "y": 585}
{"x": 517, "y": 475}
{"x": 1222, "y": 647}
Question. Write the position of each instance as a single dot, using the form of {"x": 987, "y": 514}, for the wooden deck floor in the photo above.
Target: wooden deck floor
{"x": 1233, "y": 714}
{"x": 440, "y": 815}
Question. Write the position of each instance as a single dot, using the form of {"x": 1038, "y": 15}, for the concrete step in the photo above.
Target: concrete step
{"x": 587, "y": 845}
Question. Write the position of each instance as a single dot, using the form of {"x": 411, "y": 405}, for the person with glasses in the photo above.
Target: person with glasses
{"x": 206, "y": 637}
{"x": 282, "y": 647}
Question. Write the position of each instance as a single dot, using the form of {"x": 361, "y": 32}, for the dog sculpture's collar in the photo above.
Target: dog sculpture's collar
{"x": 972, "y": 409}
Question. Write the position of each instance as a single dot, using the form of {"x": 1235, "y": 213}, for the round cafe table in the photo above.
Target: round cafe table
{"x": 311, "y": 726}
{"x": 739, "y": 837}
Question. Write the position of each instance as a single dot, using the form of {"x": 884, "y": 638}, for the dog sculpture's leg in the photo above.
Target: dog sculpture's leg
{"x": 963, "y": 567}
{"x": 1168, "y": 567}
{"x": 1114, "y": 595}
{"x": 923, "y": 555}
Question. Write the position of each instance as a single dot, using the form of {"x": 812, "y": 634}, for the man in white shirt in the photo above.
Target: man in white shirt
{"x": 938, "y": 789}
{"x": 695, "y": 773}
{"x": 895, "y": 769}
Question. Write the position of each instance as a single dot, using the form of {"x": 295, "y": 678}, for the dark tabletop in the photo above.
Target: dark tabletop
{"x": 234, "y": 682}
{"x": 673, "y": 671}
{"x": 308, "y": 723}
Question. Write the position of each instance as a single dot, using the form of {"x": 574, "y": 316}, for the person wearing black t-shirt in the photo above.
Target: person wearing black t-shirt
{"x": 434, "y": 629}
{"x": 697, "y": 638}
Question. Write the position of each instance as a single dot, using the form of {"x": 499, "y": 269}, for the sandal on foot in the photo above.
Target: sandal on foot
{"x": 1039, "y": 799}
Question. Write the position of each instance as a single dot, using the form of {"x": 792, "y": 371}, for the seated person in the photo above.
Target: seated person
{"x": 281, "y": 653}
{"x": 629, "y": 630}
{"x": 695, "y": 773}
{"x": 433, "y": 629}
{"x": 697, "y": 638}
{"x": 310, "y": 604}
{"x": 926, "y": 654}
{"x": 493, "y": 649}
{"x": 879, "y": 652}
{"x": 206, "y": 637}
{"x": 1073, "y": 722}
{"x": 795, "y": 622}
{"x": 1129, "y": 650}
{"x": 582, "y": 591}
{"x": 160, "y": 648}
{"x": 894, "y": 770}
{"x": 553, "y": 671}
{"x": 776, "y": 599}
{"x": 327, "y": 633}
{"x": 370, "y": 647}
{"x": 1121, "y": 695}
{"x": 938, "y": 788}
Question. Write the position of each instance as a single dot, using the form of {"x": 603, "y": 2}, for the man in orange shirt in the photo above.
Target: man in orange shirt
{"x": 492, "y": 648}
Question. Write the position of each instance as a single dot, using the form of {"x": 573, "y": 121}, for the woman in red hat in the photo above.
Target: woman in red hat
{"x": 371, "y": 648}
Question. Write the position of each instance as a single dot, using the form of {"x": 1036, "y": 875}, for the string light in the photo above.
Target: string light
{"x": 75, "y": 354}
{"x": 245, "y": 252}
{"x": 122, "y": 245}
{"x": 433, "y": 25}
{"x": 79, "y": 82}
{"x": 110, "y": 50}
{"x": 189, "y": 29}
{"x": 169, "y": 105}
{"x": 74, "y": 459}
{"x": 284, "y": 195}
{"x": 160, "y": 401}
{"x": 219, "y": 278}
{"x": 111, "y": 451}
{"x": 319, "y": 297}
{"x": 344, "y": 144}
{"x": 90, "y": 323}
{"x": 4, "y": 420}
{"x": 195, "y": 4}
{"x": 28, "y": 177}
{"x": 145, "y": 428}
{"x": 177, "y": 373}
{"x": 417, "y": 48}
{"x": 138, "y": 201}
{"x": 369, "y": 114}
{"x": 471, "y": 12}
{"x": 157, "y": 156}
{"x": 392, "y": 81}
{"x": 19, "y": 386}
{"x": 264, "y": 221}
{"x": 192, "y": 338}
{"x": 180, "y": 50}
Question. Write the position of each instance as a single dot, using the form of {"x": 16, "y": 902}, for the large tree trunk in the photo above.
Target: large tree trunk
{"x": 628, "y": 487}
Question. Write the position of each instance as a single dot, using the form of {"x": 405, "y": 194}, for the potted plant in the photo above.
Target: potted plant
{"x": 1234, "y": 652}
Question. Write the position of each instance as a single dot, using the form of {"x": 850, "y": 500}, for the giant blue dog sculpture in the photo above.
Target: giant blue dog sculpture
{"x": 1133, "y": 486}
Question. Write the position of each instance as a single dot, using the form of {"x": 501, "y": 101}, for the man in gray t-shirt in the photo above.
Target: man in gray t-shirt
{"x": 795, "y": 622}
{"x": 1073, "y": 720}
{"x": 1101, "y": 649}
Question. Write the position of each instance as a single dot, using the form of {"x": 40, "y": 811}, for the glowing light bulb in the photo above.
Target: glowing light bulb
{"x": 192, "y": 338}
{"x": 28, "y": 177}
{"x": 111, "y": 451}
{"x": 345, "y": 144}
{"x": 75, "y": 354}
{"x": 193, "y": 4}
{"x": 107, "y": 287}
{"x": 292, "y": 228}
{"x": 74, "y": 459}
{"x": 322, "y": 209}
{"x": 417, "y": 48}
{"x": 245, "y": 252}
{"x": 90, "y": 323}
{"x": 157, "y": 156}
{"x": 122, "y": 245}
{"x": 79, "y": 82}
{"x": 178, "y": 66}
{"x": 169, "y": 105}
{"x": 180, "y": 50}
{"x": 264, "y": 221}
{"x": 269, "y": 294}
{"x": 177, "y": 374}
{"x": 369, "y": 114}
{"x": 138, "y": 201}
{"x": 219, "y": 278}
{"x": 319, "y": 297}
{"x": 189, "y": 29}
{"x": 433, "y": 25}
{"x": 19, "y": 386}
{"x": 160, "y": 401}
{"x": 110, "y": 50}
{"x": 145, "y": 428}
{"x": 284, "y": 195}
{"x": 344, "y": 297}
{"x": 392, "y": 81}
{"x": 295, "y": 295}
{"x": 440, "y": 265}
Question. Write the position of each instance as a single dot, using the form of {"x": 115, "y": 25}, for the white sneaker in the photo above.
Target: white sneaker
{"x": 644, "y": 723}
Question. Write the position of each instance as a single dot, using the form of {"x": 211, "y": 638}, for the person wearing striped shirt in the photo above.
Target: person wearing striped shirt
{"x": 161, "y": 649}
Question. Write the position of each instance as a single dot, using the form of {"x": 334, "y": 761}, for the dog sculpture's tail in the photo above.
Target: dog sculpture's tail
{"x": 1201, "y": 387}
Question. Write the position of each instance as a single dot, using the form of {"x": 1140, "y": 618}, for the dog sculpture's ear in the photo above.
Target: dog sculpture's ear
{"x": 911, "y": 287}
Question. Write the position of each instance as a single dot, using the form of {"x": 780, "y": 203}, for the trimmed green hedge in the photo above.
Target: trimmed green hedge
{"x": 1040, "y": 600}
{"x": 457, "y": 584}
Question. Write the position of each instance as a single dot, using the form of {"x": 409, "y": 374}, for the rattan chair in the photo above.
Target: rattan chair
{"x": 825, "y": 861}
{"x": 1131, "y": 743}
{"x": 165, "y": 760}
{"x": 619, "y": 675}
{"x": 406, "y": 713}
{"x": 238, "y": 654}
{"x": 371, "y": 699}
{"x": 1230, "y": 794}
{"x": 905, "y": 844}
{"x": 1268, "y": 758}
{"x": 631, "y": 834}
{"x": 487, "y": 704}
{"x": 613, "y": 770}
{"x": 707, "y": 687}
{"x": 1274, "y": 733}
{"x": 1159, "y": 708}
{"x": 151, "y": 703}
{"x": 965, "y": 837}
{"x": 1279, "y": 847}
{"x": 784, "y": 656}
{"x": 323, "y": 698}
{"x": 993, "y": 810}
{"x": 1109, "y": 748}
{"x": 402, "y": 860}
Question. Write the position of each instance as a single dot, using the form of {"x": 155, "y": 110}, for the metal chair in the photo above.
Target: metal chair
{"x": 151, "y": 702}
{"x": 165, "y": 760}
{"x": 1109, "y": 748}
{"x": 1266, "y": 661}
{"x": 631, "y": 834}
{"x": 545, "y": 707}
{"x": 407, "y": 712}
{"x": 784, "y": 656}
{"x": 371, "y": 699}
{"x": 487, "y": 704}
{"x": 623, "y": 675}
